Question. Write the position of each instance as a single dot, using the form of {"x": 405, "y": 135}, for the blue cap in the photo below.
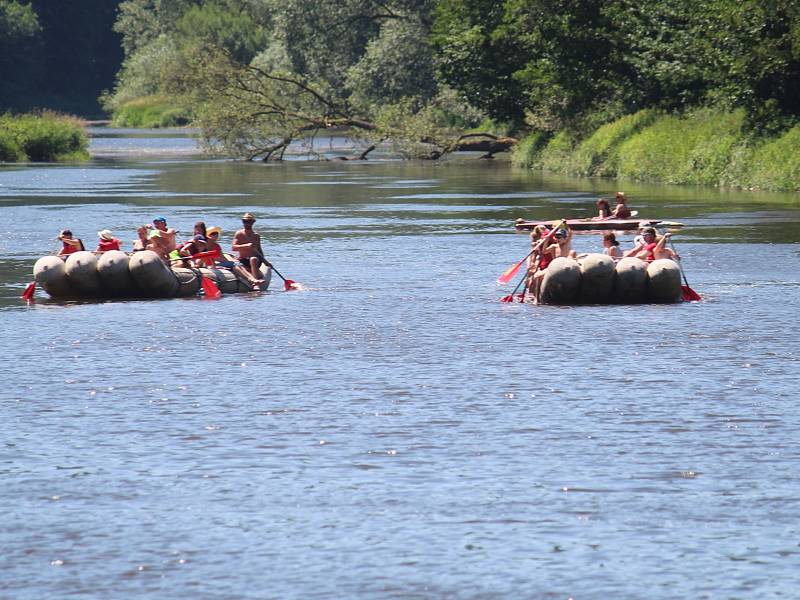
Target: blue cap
{"x": 160, "y": 219}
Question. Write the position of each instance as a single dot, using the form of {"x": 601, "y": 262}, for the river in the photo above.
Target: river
{"x": 393, "y": 431}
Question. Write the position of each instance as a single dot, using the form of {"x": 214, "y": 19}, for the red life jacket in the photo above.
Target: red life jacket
{"x": 106, "y": 245}
{"x": 70, "y": 248}
{"x": 649, "y": 249}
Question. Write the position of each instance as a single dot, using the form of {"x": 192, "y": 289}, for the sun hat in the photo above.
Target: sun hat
{"x": 106, "y": 235}
{"x": 199, "y": 238}
{"x": 212, "y": 230}
{"x": 248, "y": 217}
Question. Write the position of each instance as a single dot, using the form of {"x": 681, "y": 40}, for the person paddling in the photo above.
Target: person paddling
{"x": 219, "y": 258}
{"x": 621, "y": 210}
{"x": 69, "y": 244}
{"x": 248, "y": 244}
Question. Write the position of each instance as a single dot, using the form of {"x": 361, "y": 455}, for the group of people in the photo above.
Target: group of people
{"x": 201, "y": 250}
{"x": 620, "y": 210}
{"x": 647, "y": 245}
{"x": 548, "y": 244}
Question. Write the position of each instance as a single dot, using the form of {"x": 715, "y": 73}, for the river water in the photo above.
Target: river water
{"x": 393, "y": 431}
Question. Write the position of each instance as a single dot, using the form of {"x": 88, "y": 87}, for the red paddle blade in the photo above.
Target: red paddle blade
{"x": 689, "y": 295}
{"x": 509, "y": 273}
{"x": 30, "y": 290}
{"x": 509, "y": 298}
{"x": 288, "y": 284}
{"x": 210, "y": 288}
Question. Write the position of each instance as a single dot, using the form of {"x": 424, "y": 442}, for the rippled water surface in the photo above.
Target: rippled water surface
{"x": 394, "y": 431}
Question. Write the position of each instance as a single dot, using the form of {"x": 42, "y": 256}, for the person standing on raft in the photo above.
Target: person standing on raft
{"x": 248, "y": 244}
{"x": 69, "y": 244}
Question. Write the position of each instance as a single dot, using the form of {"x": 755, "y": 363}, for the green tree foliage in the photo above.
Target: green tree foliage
{"x": 578, "y": 63}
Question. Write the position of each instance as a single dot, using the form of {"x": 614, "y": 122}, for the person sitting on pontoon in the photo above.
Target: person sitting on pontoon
{"x": 168, "y": 241}
{"x": 653, "y": 247}
{"x": 107, "y": 241}
{"x": 223, "y": 261}
{"x": 69, "y": 244}
{"x": 611, "y": 245}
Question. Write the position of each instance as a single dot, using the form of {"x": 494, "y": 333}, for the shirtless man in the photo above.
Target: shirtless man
{"x": 168, "y": 234}
{"x": 157, "y": 243}
{"x": 563, "y": 245}
{"x": 248, "y": 244}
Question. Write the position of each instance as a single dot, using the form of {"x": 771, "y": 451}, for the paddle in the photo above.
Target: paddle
{"x": 288, "y": 284}
{"x": 199, "y": 255}
{"x": 30, "y": 290}
{"x": 510, "y": 297}
{"x": 536, "y": 248}
{"x": 509, "y": 273}
{"x": 688, "y": 294}
{"x": 210, "y": 289}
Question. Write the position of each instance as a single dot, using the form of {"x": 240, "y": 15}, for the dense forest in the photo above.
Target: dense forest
{"x": 578, "y": 81}
{"x": 57, "y": 55}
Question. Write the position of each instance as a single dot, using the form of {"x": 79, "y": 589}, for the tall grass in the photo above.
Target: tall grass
{"x": 44, "y": 137}
{"x": 706, "y": 146}
{"x": 775, "y": 164}
{"x": 695, "y": 148}
{"x": 151, "y": 112}
{"x": 599, "y": 153}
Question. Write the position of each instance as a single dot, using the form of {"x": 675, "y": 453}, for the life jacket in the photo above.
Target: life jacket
{"x": 70, "y": 248}
{"x": 106, "y": 245}
{"x": 649, "y": 249}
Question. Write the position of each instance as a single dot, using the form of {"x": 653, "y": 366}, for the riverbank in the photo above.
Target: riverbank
{"x": 43, "y": 137}
{"x": 704, "y": 147}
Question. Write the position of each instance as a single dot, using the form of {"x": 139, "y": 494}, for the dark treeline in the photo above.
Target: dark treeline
{"x": 57, "y": 55}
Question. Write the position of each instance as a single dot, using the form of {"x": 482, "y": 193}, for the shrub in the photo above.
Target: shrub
{"x": 44, "y": 137}
{"x": 151, "y": 112}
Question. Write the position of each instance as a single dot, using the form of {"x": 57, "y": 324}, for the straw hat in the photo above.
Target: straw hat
{"x": 248, "y": 217}
{"x": 106, "y": 235}
{"x": 212, "y": 230}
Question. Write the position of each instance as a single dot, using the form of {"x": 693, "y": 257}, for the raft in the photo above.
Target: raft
{"x": 596, "y": 279}
{"x": 606, "y": 225}
{"x": 115, "y": 274}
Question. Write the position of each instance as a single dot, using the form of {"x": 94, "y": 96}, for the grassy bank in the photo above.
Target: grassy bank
{"x": 44, "y": 137}
{"x": 705, "y": 147}
{"x": 151, "y": 112}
